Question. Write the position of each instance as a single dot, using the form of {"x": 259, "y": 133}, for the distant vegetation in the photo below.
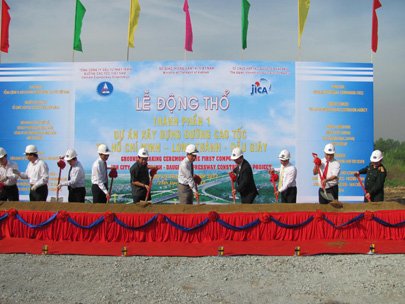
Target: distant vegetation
{"x": 394, "y": 160}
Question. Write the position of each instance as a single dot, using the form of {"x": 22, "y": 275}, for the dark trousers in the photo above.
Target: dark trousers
{"x": 10, "y": 193}
{"x": 378, "y": 197}
{"x": 289, "y": 195}
{"x": 98, "y": 195}
{"x": 76, "y": 195}
{"x": 185, "y": 194}
{"x": 248, "y": 198}
{"x": 140, "y": 196}
{"x": 40, "y": 194}
{"x": 333, "y": 190}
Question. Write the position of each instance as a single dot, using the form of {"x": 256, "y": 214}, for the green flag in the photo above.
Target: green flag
{"x": 245, "y": 22}
{"x": 80, "y": 11}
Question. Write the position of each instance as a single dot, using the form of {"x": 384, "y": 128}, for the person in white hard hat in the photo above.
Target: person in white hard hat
{"x": 287, "y": 185}
{"x": 139, "y": 175}
{"x": 99, "y": 176}
{"x": 375, "y": 178}
{"x": 76, "y": 178}
{"x": 8, "y": 178}
{"x": 187, "y": 187}
{"x": 329, "y": 170}
{"x": 38, "y": 174}
{"x": 245, "y": 183}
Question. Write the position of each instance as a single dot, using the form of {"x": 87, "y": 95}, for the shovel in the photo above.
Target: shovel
{"x": 364, "y": 188}
{"x": 113, "y": 174}
{"x": 232, "y": 176}
{"x": 197, "y": 181}
{"x": 273, "y": 180}
{"x": 324, "y": 194}
{"x": 152, "y": 175}
{"x": 61, "y": 164}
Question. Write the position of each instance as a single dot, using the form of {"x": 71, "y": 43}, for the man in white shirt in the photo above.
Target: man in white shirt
{"x": 328, "y": 170}
{"x": 187, "y": 187}
{"x": 8, "y": 178}
{"x": 99, "y": 177}
{"x": 38, "y": 174}
{"x": 76, "y": 178}
{"x": 287, "y": 185}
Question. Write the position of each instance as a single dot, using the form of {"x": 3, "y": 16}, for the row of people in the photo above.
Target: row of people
{"x": 327, "y": 169}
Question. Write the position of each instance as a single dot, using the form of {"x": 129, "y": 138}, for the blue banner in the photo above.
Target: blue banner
{"x": 263, "y": 107}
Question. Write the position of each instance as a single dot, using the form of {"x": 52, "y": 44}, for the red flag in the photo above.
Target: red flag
{"x": 5, "y": 22}
{"x": 374, "y": 26}
{"x": 188, "y": 43}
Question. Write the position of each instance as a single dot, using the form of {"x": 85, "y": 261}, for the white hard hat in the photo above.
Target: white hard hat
{"x": 31, "y": 149}
{"x": 70, "y": 154}
{"x": 284, "y": 155}
{"x": 329, "y": 149}
{"x": 191, "y": 149}
{"x": 236, "y": 153}
{"x": 103, "y": 149}
{"x": 376, "y": 156}
{"x": 143, "y": 152}
{"x": 3, "y": 152}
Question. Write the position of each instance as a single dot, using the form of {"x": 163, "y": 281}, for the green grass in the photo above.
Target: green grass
{"x": 394, "y": 160}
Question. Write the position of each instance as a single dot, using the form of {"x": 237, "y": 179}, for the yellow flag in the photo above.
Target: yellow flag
{"x": 303, "y": 8}
{"x": 135, "y": 9}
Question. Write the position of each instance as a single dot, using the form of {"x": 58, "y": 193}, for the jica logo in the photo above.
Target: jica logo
{"x": 261, "y": 87}
{"x": 105, "y": 88}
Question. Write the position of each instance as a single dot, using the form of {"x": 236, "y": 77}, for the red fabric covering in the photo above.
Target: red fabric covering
{"x": 231, "y": 248}
{"x": 161, "y": 237}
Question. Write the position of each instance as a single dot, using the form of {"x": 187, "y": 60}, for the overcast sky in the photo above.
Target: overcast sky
{"x": 336, "y": 31}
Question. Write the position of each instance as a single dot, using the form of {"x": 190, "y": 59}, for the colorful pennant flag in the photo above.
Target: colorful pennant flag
{"x": 80, "y": 11}
{"x": 245, "y": 22}
{"x": 374, "y": 26}
{"x": 188, "y": 42}
{"x": 134, "y": 12}
{"x": 5, "y": 23}
{"x": 303, "y": 8}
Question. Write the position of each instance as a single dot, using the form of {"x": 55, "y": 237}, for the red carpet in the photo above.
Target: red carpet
{"x": 201, "y": 234}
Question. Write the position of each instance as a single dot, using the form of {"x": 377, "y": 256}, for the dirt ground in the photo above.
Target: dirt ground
{"x": 395, "y": 199}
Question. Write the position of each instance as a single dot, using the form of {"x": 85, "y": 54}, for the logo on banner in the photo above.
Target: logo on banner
{"x": 105, "y": 88}
{"x": 261, "y": 87}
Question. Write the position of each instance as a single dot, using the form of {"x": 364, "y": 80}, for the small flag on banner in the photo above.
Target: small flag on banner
{"x": 374, "y": 26}
{"x": 245, "y": 22}
{"x": 303, "y": 8}
{"x": 80, "y": 11}
{"x": 188, "y": 42}
{"x": 134, "y": 12}
{"x": 5, "y": 23}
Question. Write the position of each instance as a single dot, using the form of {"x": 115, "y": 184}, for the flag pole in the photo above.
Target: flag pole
{"x": 298, "y": 31}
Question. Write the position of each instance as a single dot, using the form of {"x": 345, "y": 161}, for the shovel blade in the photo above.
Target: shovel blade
{"x": 56, "y": 199}
{"x": 327, "y": 196}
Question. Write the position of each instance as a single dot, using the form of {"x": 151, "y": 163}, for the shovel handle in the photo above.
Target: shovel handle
{"x": 149, "y": 189}
{"x": 233, "y": 188}
{"x": 322, "y": 179}
{"x": 110, "y": 190}
{"x": 57, "y": 189}
{"x": 364, "y": 188}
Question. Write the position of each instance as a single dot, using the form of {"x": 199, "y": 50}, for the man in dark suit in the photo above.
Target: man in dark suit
{"x": 245, "y": 183}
